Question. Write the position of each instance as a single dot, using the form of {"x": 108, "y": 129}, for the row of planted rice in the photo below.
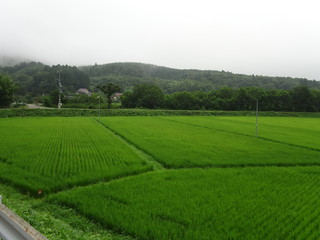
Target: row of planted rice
{"x": 201, "y": 202}
{"x": 232, "y": 203}
{"x": 54, "y": 153}
{"x": 179, "y": 142}
{"x": 296, "y": 131}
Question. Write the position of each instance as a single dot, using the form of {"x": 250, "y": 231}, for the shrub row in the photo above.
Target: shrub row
{"x": 138, "y": 112}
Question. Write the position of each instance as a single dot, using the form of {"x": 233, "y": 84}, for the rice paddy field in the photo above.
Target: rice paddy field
{"x": 179, "y": 142}
{"x": 172, "y": 177}
{"x": 235, "y": 203}
{"x": 55, "y": 153}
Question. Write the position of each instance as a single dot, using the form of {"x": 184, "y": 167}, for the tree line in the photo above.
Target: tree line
{"x": 172, "y": 80}
{"x": 36, "y": 79}
{"x": 299, "y": 99}
{"x": 150, "y": 86}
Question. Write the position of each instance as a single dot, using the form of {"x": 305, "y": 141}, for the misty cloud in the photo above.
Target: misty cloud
{"x": 278, "y": 38}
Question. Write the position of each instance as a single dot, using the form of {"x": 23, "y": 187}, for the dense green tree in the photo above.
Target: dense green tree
{"x": 183, "y": 100}
{"x": 52, "y": 99}
{"x": 148, "y": 96}
{"x": 6, "y": 90}
{"x": 316, "y": 100}
{"x": 24, "y": 82}
{"x": 109, "y": 89}
{"x": 127, "y": 100}
{"x": 145, "y": 96}
{"x": 299, "y": 99}
{"x": 302, "y": 99}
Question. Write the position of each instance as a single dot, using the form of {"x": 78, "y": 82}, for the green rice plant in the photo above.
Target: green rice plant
{"x": 54, "y": 153}
{"x": 232, "y": 203}
{"x": 176, "y": 144}
{"x": 304, "y": 132}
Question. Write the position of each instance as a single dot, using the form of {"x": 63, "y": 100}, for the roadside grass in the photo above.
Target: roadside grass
{"x": 55, "y": 222}
{"x": 233, "y": 203}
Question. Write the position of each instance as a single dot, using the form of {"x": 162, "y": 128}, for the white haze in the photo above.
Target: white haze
{"x": 275, "y": 37}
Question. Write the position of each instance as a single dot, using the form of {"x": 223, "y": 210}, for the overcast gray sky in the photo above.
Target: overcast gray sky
{"x": 269, "y": 37}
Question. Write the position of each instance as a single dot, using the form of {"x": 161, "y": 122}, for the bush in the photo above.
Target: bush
{"x": 137, "y": 112}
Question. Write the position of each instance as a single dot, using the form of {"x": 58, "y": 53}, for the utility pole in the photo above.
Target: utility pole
{"x": 60, "y": 89}
{"x": 13, "y": 95}
{"x": 257, "y": 116}
{"x": 99, "y": 108}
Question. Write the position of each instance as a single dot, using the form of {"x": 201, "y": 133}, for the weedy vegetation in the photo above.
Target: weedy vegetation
{"x": 54, "y": 221}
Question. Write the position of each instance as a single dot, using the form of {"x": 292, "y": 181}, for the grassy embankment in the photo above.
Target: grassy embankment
{"x": 55, "y": 222}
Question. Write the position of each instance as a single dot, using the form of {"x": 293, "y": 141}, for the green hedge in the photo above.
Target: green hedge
{"x": 137, "y": 112}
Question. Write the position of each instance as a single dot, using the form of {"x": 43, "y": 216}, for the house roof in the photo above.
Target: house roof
{"x": 83, "y": 90}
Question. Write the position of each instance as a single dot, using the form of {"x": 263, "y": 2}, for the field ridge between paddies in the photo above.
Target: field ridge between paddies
{"x": 153, "y": 162}
{"x": 51, "y": 154}
{"x": 230, "y": 203}
{"x": 178, "y": 145}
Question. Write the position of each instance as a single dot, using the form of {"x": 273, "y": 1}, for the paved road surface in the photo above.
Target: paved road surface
{"x": 8, "y": 232}
{"x": 13, "y": 227}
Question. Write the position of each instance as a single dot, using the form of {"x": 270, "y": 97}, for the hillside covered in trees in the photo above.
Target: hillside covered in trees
{"x": 299, "y": 99}
{"x": 162, "y": 87}
{"x": 174, "y": 80}
{"x": 37, "y": 79}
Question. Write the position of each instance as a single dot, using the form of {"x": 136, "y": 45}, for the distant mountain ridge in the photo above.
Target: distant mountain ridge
{"x": 8, "y": 61}
{"x": 36, "y": 78}
{"x": 172, "y": 80}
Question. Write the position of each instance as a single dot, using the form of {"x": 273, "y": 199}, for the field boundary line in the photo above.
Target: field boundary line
{"x": 20, "y": 188}
{"x": 156, "y": 165}
{"x": 254, "y": 165}
{"x": 246, "y": 135}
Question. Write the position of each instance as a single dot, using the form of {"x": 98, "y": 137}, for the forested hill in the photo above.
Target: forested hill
{"x": 35, "y": 78}
{"x": 175, "y": 80}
